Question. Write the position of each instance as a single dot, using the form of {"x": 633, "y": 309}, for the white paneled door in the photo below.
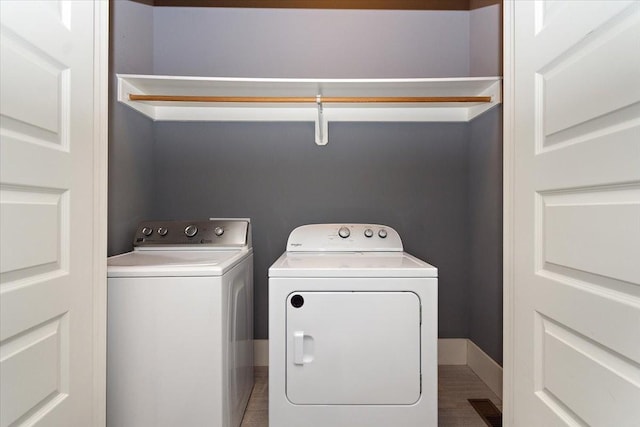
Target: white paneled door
{"x": 576, "y": 212}
{"x": 52, "y": 182}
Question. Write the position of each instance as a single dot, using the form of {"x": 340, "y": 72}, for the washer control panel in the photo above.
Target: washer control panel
{"x": 213, "y": 232}
{"x": 344, "y": 238}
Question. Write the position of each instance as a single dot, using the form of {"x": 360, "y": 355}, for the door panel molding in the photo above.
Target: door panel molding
{"x": 613, "y": 379}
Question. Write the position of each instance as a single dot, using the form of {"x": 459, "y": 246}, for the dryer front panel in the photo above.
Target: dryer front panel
{"x": 353, "y": 348}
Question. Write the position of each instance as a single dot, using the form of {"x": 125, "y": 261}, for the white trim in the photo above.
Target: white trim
{"x": 260, "y": 352}
{"x": 100, "y": 147}
{"x": 452, "y": 351}
{"x": 485, "y": 368}
{"x": 508, "y": 211}
{"x": 319, "y": 112}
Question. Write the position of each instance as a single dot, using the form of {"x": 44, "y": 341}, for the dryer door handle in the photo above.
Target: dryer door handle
{"x": 298, "y": 347}
{"x": 303, "y": 348}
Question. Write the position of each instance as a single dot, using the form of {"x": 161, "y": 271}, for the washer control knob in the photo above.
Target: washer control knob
{"x": 147, "y": 231}
{"x": 368, "y": 232}
{"x": 344, "y": 232}
{"x": 218, "y": 231}
{"x": 163, "y": 231}
{"x": 382, "y": 233}
{"x": 190, "y": 230}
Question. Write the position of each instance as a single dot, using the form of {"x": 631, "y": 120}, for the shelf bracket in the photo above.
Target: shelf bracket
{"x": 322, "y": 127}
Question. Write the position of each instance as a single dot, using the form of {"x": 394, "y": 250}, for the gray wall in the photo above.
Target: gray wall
{"x": 485, "y": 31}
{"x": 130, "y": 133}
{"x": 485, "y": 191}
{"x": 412, "y": 177}
{"x": 485, "y": 233}
{"x": 310, "y": 43}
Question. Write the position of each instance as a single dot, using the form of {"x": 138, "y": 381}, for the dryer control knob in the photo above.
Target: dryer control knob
{"x": 218, "y": 231}
{"x": 382, "y": 233}
{"x": 147, "y": 231}
{"x": 368, "y": 232}
{"x": 344, "y": 232}
{"x": 163, "y": 231}
{"x": 190, "y": 230}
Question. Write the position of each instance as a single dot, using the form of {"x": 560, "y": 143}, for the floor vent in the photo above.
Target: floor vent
{"x": 488, "y": 411}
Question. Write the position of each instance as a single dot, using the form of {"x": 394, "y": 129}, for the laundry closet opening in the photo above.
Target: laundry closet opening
{"x": 439, "y": 184}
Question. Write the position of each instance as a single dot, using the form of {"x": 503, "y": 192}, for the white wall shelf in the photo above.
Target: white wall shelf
{"x": 310, "y": 100}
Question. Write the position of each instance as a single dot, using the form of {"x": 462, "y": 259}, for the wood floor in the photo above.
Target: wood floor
{"x": 456, "y": 384}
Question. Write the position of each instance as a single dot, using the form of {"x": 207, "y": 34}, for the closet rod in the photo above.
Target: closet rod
{"x": 310, "y": 99}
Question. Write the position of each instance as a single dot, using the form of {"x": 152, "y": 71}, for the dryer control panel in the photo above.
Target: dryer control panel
{"x": 213, "y": 232}
{"x": 344, "y": 238}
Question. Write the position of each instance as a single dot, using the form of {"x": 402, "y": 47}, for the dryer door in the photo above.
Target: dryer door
{"x": 353, "y": 348}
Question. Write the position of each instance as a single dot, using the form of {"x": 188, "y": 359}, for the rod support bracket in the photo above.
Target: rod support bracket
{"x": 322, "y": 127}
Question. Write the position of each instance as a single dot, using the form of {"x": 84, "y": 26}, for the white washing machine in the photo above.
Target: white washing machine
{"x": 352, "y": 331}
{"x": 180, "y": 325}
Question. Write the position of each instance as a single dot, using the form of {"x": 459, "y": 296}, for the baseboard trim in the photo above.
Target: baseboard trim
{"x": 260, "y": 352}
{"x": 485, "y": 368}
{"x": 451, "y": 351}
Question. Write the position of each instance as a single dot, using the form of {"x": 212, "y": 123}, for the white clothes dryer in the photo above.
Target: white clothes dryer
{"x": 352, "y": 331}
{"x": 180, "y": 325}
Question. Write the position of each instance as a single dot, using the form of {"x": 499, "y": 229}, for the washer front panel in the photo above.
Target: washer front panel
{"x": 180, "y": 349}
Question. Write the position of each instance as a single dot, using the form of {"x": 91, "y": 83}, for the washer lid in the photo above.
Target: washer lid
{"x": 141, "y": 263}
{"x": 351, "y": 264}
